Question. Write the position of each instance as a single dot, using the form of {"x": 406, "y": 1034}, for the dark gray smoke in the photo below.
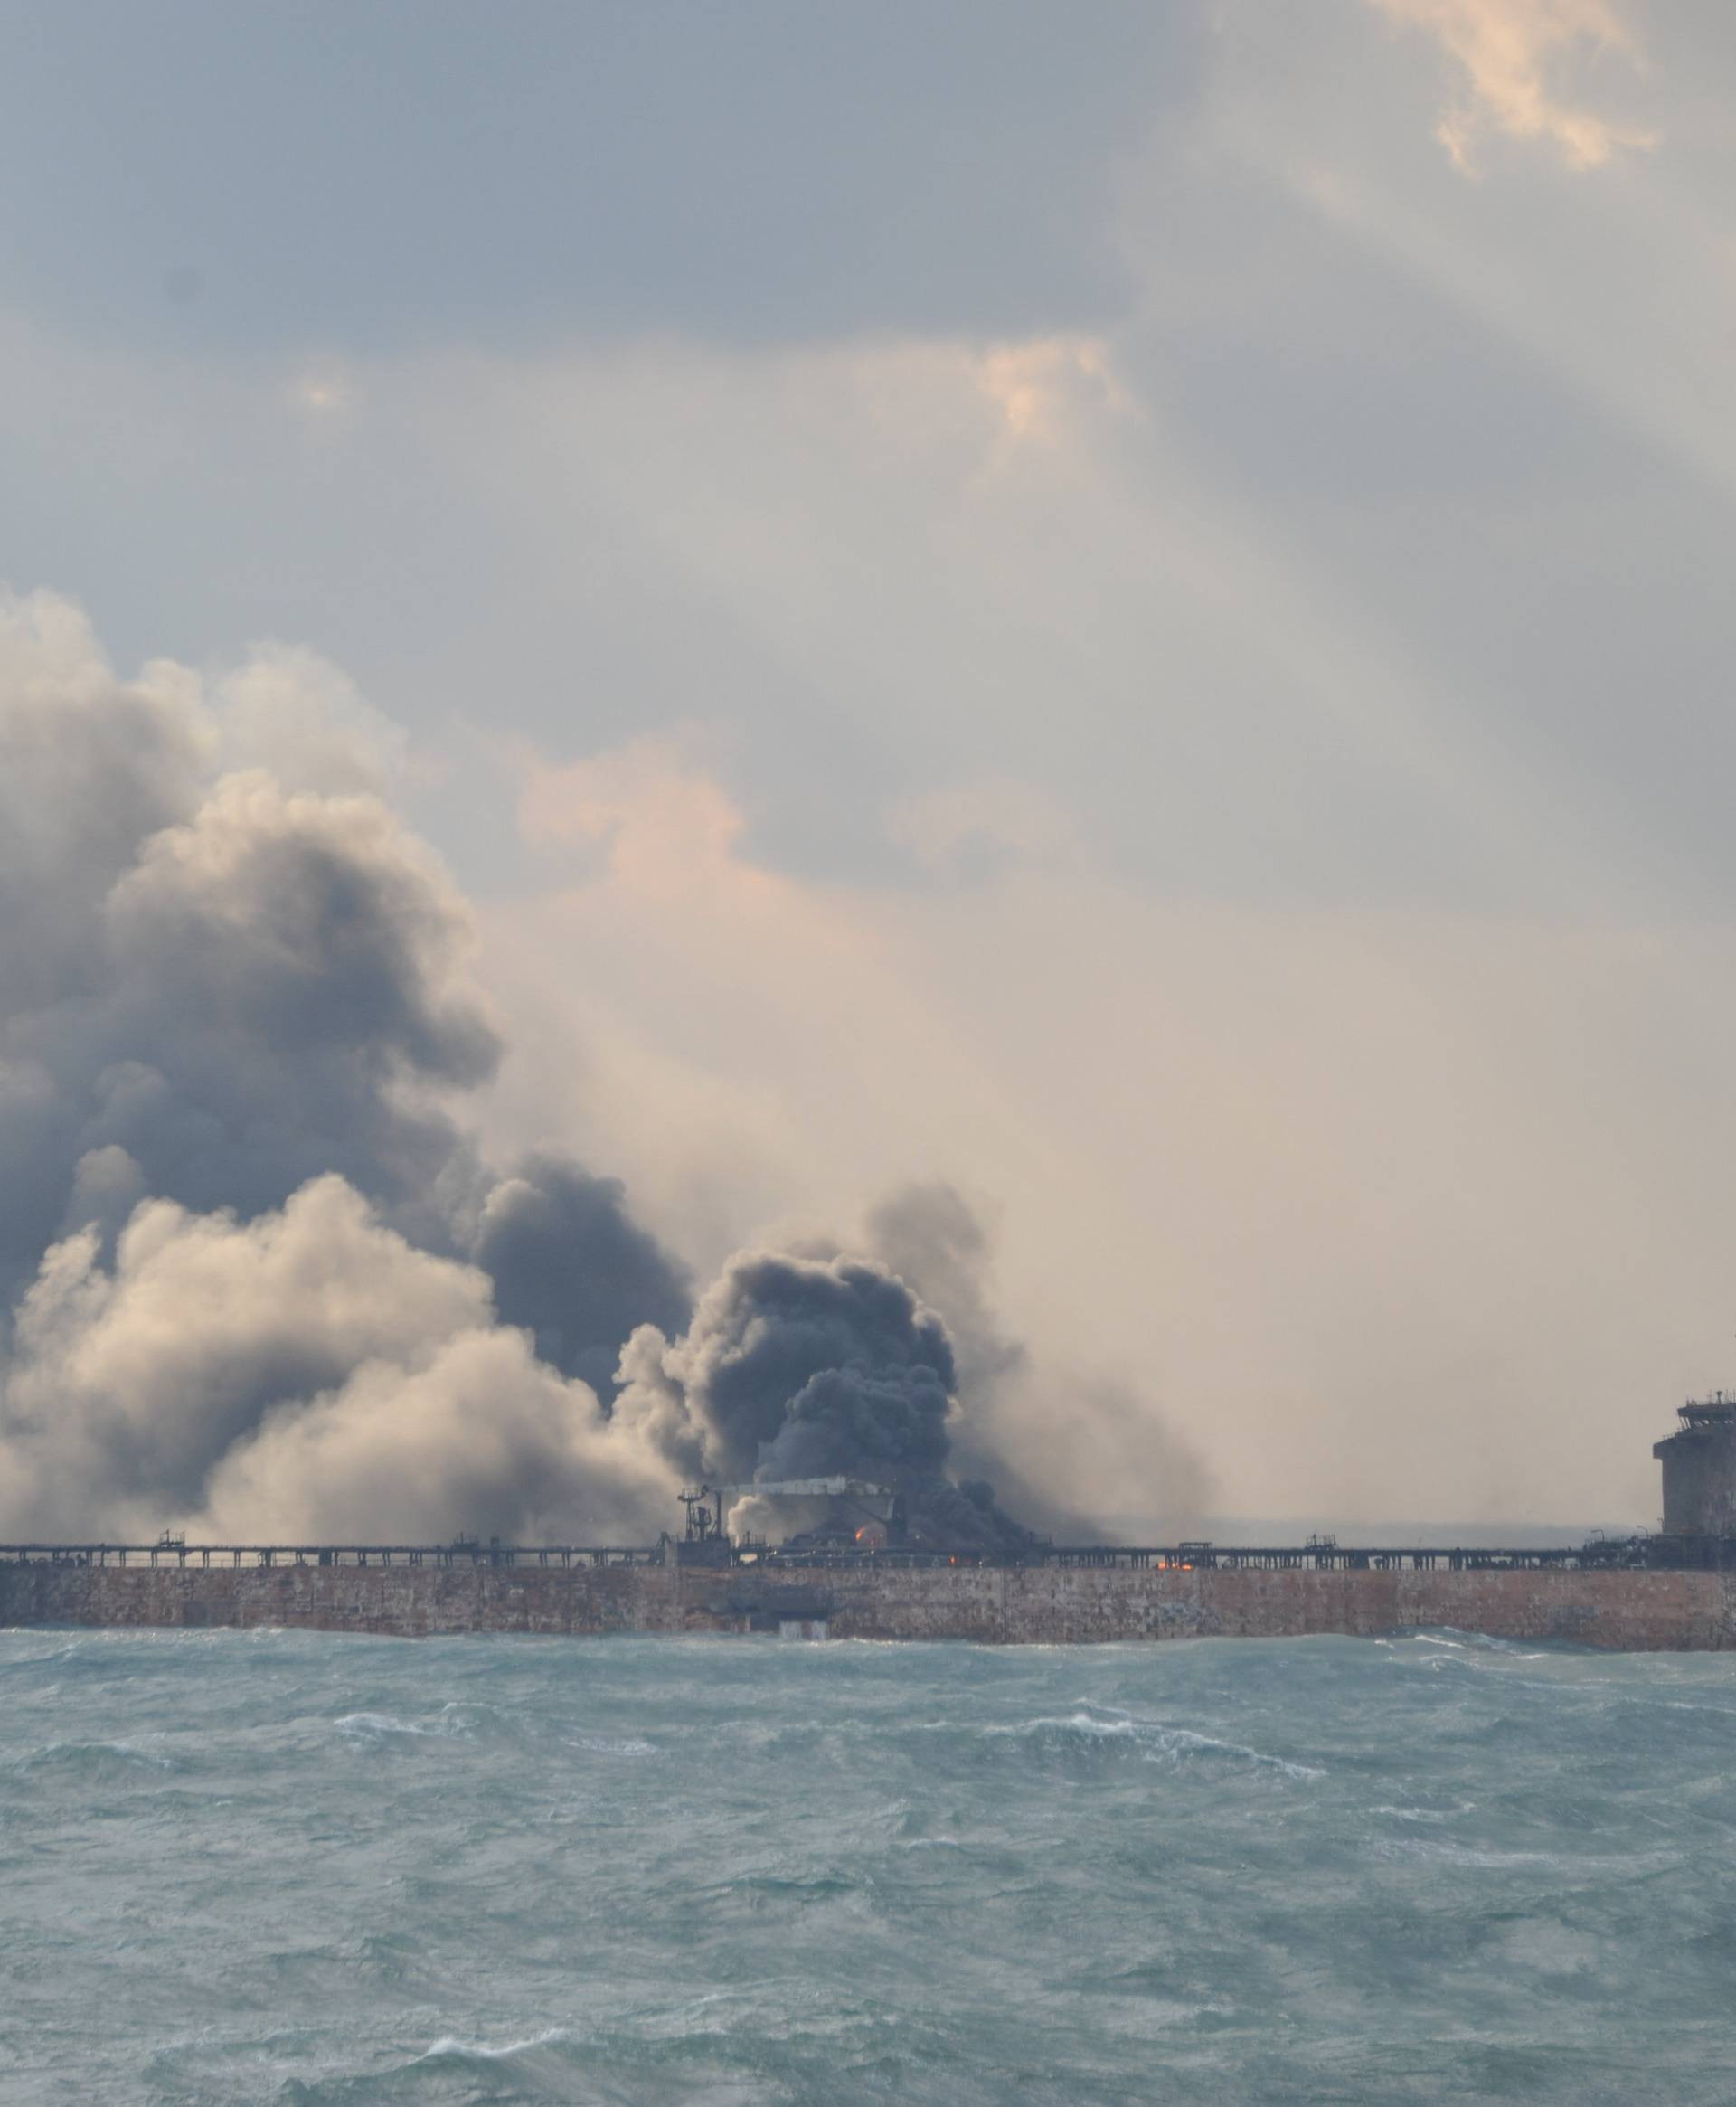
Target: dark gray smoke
{"x": 858, "y": 1418}
{"x": 791, "y": 1361}
{"x": 793, "y": 1367}
{"x": 255, "y": 1276}
{"x": 212, "y": 992}
{"x": 571, "y": 1266}
{"x": 233, "y": 1007}
{"x": 806, "y": 1367}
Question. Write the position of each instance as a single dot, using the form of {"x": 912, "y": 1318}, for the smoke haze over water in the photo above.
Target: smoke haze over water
{"x": 259, "y": 1279}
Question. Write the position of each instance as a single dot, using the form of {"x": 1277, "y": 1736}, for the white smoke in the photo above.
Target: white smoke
{"x": 305, "y": 1372}
{"x": 480, "y": 1429}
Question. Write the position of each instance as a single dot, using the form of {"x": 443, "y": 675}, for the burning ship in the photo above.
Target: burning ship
{"x": 912, "y": 1514}
{"x": 911, "y": 1555}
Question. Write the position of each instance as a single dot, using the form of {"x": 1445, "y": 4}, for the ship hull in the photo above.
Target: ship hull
{"x": 1638, "y": 1611}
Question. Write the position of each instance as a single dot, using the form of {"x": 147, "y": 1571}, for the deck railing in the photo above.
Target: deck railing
{"x": 179, "y": 1556}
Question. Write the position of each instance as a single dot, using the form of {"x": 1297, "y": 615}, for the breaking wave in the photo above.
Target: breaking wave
{"x": 1150, "y": 1736}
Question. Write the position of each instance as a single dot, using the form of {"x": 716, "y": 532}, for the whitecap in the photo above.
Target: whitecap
{"x": 1164, "y": 1740}
{"x": 376, "y": 1727}
{"x": 74, "y": 1753}
{"x": 448, "y": 2045}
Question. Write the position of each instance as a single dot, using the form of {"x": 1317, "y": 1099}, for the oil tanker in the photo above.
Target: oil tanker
{"x": 865, "y": 1573}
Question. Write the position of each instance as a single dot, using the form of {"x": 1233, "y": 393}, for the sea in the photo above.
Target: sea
{"x": 298, "y": 1867}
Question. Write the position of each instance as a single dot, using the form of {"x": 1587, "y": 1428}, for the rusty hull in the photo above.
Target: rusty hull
{"x": 1637, "y": 1610}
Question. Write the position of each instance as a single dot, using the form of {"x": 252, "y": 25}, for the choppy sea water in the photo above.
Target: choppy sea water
{"x": 292, "y": 1867}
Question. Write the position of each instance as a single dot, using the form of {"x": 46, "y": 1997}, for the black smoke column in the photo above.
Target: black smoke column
{"x": 570, "y": 1265}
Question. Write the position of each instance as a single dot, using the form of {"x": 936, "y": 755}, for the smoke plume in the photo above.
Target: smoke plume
{"x": 256, "y": 1277}
{"x": 254, "y": 1272}
{"x": 1048, "y": 1439}
{"x": 797, "y": 1367}
{"x": 532, "y": 1225}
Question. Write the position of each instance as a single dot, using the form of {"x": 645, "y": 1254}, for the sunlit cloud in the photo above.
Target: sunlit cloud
{"x": 1033, "y": 383}
{"x": 1513, "y": 54}
{"x": 659, "y": 821}
{"x": 994, "y": 817}
{"x": 323, "y": 393}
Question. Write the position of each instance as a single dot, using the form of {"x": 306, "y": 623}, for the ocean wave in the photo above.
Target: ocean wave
{"x": 636, "y": 1872}
{"x": 1155, "y": 1737}
{"x": 89, "y": 1756}
{"x": 450, "y": 2048}
{"x": 1447, "y": 1638}
{"x": 466, "y": 1722}
{"x": 379, "y": 1727}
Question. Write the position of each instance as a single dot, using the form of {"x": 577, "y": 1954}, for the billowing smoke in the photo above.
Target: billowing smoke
{"x": 255, "y": 1277}
{"x": 251, "y": 1270}
{"x": 210, "y": 990}
{"x": 307, "y": 1373}
{"x": 805, "y": 1366}
{"x": 930, "y": 1235}
{"x": 534, "y": 1225}
{"x": 794, "y": 1367}
{"x": 1049, "y": 1440}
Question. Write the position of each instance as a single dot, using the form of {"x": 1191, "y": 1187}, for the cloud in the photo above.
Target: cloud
{"x": 971, "y": 825}
{"x": 658, "y": 817}
{"x": 1511, "y": 52}
{"x": 1035, "y": 383}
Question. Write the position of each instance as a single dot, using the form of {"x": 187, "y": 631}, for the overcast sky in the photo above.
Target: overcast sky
{"x": 1127, "y": 605}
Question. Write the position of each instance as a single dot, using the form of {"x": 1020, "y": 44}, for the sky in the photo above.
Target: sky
{"x": 1118, "y": 611}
